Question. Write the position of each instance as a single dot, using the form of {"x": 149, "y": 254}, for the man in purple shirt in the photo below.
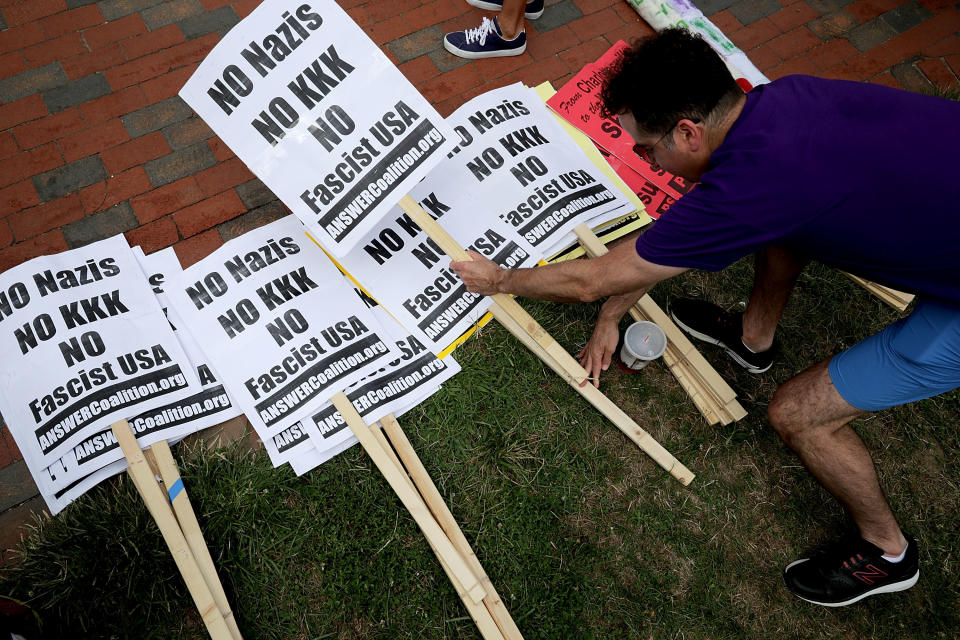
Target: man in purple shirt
{"x": 799, "y": 169}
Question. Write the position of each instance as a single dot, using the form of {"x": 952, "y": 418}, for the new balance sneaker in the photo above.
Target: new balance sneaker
{"x": 532, "y": 11}
{"x": 485, "y": 41}
{"x": 710, "y": 323}
{"x": 849, "y": 571}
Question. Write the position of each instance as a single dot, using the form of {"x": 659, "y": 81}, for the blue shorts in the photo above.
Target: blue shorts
{"x": 914, "y": 358}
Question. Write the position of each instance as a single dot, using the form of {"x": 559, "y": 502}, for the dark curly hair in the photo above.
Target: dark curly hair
{"x": 666, "y": 77}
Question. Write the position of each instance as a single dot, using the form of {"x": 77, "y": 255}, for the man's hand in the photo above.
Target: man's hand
{"x": 596, "y": 356}
{"x": 481, "y": 275}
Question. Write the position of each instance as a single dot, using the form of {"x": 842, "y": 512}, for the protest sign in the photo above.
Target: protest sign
{"x": 209, "y": 406}
{"x": 528, "y": 169}
{"x": 395, "y": 387}
{"x": 663, "y": 14}
{"x": 578, "y": 102}
{"x": 84, "y": 343}
{"x": 655, "y": 200}
{"x": 58, "y": 498}
{"x": 606, "y": 229}
{"x": 546, "y": 91}
{"x": 320, "y": 114}
{"x": 279, "y": 324}
{"x": 99, "y": 457}
{"x": 407, "y": 273}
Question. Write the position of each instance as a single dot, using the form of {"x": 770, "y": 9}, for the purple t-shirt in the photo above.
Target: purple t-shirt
{"x": 859, "y": 176}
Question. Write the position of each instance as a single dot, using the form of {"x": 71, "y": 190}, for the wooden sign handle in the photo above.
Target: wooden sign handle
{"x": 159, "y": 508}
{"x": 479, "y": 612}
{"x": 410, "y": 499}
{"x": 431, "y": 496}
{"x": 715, "y": 399}
{"x": 183, "y": 510}
{"x": 518, "y": 322}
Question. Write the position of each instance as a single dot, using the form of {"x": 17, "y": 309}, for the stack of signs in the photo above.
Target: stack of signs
{"x": 85, "y": 343}
{"x": 286, "y": 331}
{"x": 396, "y": 387}
{"x": 513, "y": 158}
{"x": 331, "y": 126}
{"x": 578, "y": 102}
{"x": 512, "y": 150}
{"x": 320, "y": 114}
{"x": 406, "y": 272}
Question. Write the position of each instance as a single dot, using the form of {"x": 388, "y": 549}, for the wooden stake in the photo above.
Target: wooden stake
{"x": 714, "y": 398}
{"x": 433, "y": 499}
{"x": 896, "y": 299}
{"x": 410, "y": 499}
{"x": 450, "y": 246}
{"x": 479, "y": 612}
{"x": 183, "y": 510}
{"x": 604, "y": 405}
{"x": 512, "y": 316}
{"x": 159, "y": 508}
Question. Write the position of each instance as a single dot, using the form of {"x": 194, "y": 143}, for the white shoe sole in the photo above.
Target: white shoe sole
{"x": 730, "y": 352}
{"x": 473, "y": 55}
{"x": 903, "y": 585}
{"x": 490, "y": 6}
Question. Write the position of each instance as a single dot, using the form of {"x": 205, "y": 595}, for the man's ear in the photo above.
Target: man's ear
{"x": 689, "y": 135}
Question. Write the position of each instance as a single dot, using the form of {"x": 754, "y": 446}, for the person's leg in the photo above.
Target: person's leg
{"x": 511, "y": 18}
{"x": 813, "y": 419}
{"x": 775, "y": 273}
{"x": 746, "y": 337}
{"x": 916, "y": 357}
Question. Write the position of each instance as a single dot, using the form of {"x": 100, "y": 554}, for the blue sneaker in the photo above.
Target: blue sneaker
{"x": 532, "y": 11}
{"x": 485, "y": 41}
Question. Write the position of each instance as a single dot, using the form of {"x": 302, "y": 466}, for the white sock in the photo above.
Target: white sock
{"x": 896, "y": 559}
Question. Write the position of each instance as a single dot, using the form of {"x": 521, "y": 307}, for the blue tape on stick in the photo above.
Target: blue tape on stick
{"x": 175, "y": 490}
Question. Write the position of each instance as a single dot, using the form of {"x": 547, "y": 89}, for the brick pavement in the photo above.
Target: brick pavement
{"x": 94, "y": 140}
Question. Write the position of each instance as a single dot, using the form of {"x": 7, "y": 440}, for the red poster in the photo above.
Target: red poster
{"x": 654, "y": 199}
{"x": 578, "y": 102}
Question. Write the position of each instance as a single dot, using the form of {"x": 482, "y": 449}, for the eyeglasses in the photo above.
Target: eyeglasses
{"x": 647, "y": 152}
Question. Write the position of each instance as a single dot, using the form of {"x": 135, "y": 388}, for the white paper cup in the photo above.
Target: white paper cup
{"x": 642, "y": 342}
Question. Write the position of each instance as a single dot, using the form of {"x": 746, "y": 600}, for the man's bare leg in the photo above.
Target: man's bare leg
{"x": 813, "y": 419}
{"x": 775, "y": 273}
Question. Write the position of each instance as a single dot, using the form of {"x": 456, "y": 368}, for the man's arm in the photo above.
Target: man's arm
{"x": 619, "y": 272}
{"x": 597, "y": 354}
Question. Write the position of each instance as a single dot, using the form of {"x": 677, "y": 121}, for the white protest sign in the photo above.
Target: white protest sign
{"x": 172, "y": 421}
{"x": 513, "y": 152}
{"x": 309, "y": 460}
{"x": 57, "y": 499}
{"x": 84, "y": 343}
{"x": 396, "y": 386}
{"x": 405, "y": 270}
{"x": 213, "y": 404}
{"x": 320, "y": 114}
{"x": 279, "y": 323}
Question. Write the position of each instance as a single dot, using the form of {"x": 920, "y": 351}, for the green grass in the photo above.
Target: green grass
{"x": 583, "y": 536}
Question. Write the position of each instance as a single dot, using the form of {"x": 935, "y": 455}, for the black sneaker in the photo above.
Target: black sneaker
{"x": 708, "y": 322}
{"x": 850, "y": 571}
